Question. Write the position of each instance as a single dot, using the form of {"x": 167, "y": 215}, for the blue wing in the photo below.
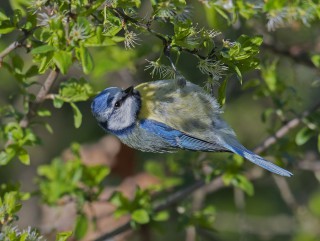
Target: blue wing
{"x": 178, "y": 139}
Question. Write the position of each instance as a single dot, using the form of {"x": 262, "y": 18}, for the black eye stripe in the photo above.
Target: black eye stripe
{"x": 120, "y": 101}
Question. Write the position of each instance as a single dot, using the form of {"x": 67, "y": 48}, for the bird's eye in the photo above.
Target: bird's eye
{"x": 117, "y": 104}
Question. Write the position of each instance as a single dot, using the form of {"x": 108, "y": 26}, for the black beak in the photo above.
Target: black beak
{"x": 129, "y": 90}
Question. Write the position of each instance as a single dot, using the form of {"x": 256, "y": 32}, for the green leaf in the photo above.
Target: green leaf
{"x": 251, "y": 84}
{"x": 45, "y": 62}
{"x": 57, "y": 102}
{"x": 303, "y": 135}
{"x": 4, "y": 158}
{"x": 86, "y": 60}
{"x": 245, "y": 185}
{"x": 18, "y": 63}
{"x": 212, "y": 16}
{"x": 75, "y": 90}
{"x": 161, "y": 216}
{"x": 319, "y": 143}
{"x": 222, "y": 92}
{"x": 316, "y": 60}
{"x": 63, "y": 60}
{"x": 76, "y": 115}
{"x": 155, "y": 168}
{"x": 48, "y": 128}
{"x": 240, "y": 56}
{"x": 140, "y": 216}
{"x": 128, "y": 3}
{"x": 3, "y": 16}
{"x": 63, "y": 236}
{"x": 43, "y": 112}
{"x": 24, "y": 156}
{"x": 61, "y": 179}
{"x": 314, "y": 204}
{"x": 94, "y": 175}
{"x": 118, "y": 199}
{"x": 240, "y": 181}
{"x": 32, "y": 71}
{"x": 270, "y": 75}
{"x": 81, "y": 228}
{"x": 6, "y": 27}
{"x": 266, "y": 114}
{"x": 43, "y": 49}
{"x": 239, "y": 74}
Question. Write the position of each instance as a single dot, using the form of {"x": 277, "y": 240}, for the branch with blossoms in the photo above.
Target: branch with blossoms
{"x": 208, "y": 65}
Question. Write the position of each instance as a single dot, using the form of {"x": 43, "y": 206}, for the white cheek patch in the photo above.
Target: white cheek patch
{"x": 125, "y": 116}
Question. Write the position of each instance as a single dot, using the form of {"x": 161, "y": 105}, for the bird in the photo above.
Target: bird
{"x": 159, "y": 116}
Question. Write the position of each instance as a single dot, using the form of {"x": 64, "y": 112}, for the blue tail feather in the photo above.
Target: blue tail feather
{"x": 233, "y": 145}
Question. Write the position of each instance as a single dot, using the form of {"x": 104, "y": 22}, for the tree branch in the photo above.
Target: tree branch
{"x": 8, "y": 50}
{"x": 285, "y": 192}
{"x": 285, "y": 129}
{"x": 309, "y": 165}
{"x": 14, "y": 45}
{"x": 166, "y": 40}
{"x": 40, "y": 97}
{"x": 171, "y": 200}
{"x": 301, "y": 58}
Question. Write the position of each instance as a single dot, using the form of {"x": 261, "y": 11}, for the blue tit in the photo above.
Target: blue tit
{"x": 160, "y": 117}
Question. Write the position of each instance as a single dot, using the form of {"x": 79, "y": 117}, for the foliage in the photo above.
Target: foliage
{"x": 59, "y": 38}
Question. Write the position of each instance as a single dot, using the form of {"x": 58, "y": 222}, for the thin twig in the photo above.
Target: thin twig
{"x": 8, "y": 50}
{"x": 309, "y": 165}
{"x": 171, "y": 200}
{"x": 166, "y": 40}
{"x": 285, "y": 129}
{"x": 179, "y": 196}
{"x": 285, "y": 192}
{"x": 47, "y": 86}
{"x": 40, "y": 97}
{"x": 302, "y": 58}
{"x": 266, "y": 226}
{"x": 14, "y": 45}
{"x": 123, "y": 228}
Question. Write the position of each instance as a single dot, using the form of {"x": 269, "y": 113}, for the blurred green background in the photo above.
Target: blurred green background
{"x": 263, "y": 216}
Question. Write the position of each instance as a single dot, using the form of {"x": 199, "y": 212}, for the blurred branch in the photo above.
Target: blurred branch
{"x": 171, "y": 200}
{"x": 14, "y": 45}
{"x": 218, "y": 183}
{"x": 266, "y": 226}
{"x": 313, "y": 166}
{"x": 178, "y": 196}
{"x": 40, "y": 97}
{"x": 285, "y": 129}
{"x": 8, "y": 50}
{"x": 285, "y": 192}
{"x": 301, "y": 58}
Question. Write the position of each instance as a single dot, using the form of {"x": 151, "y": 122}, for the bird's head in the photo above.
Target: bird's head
{"x": 116, "y": 109}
